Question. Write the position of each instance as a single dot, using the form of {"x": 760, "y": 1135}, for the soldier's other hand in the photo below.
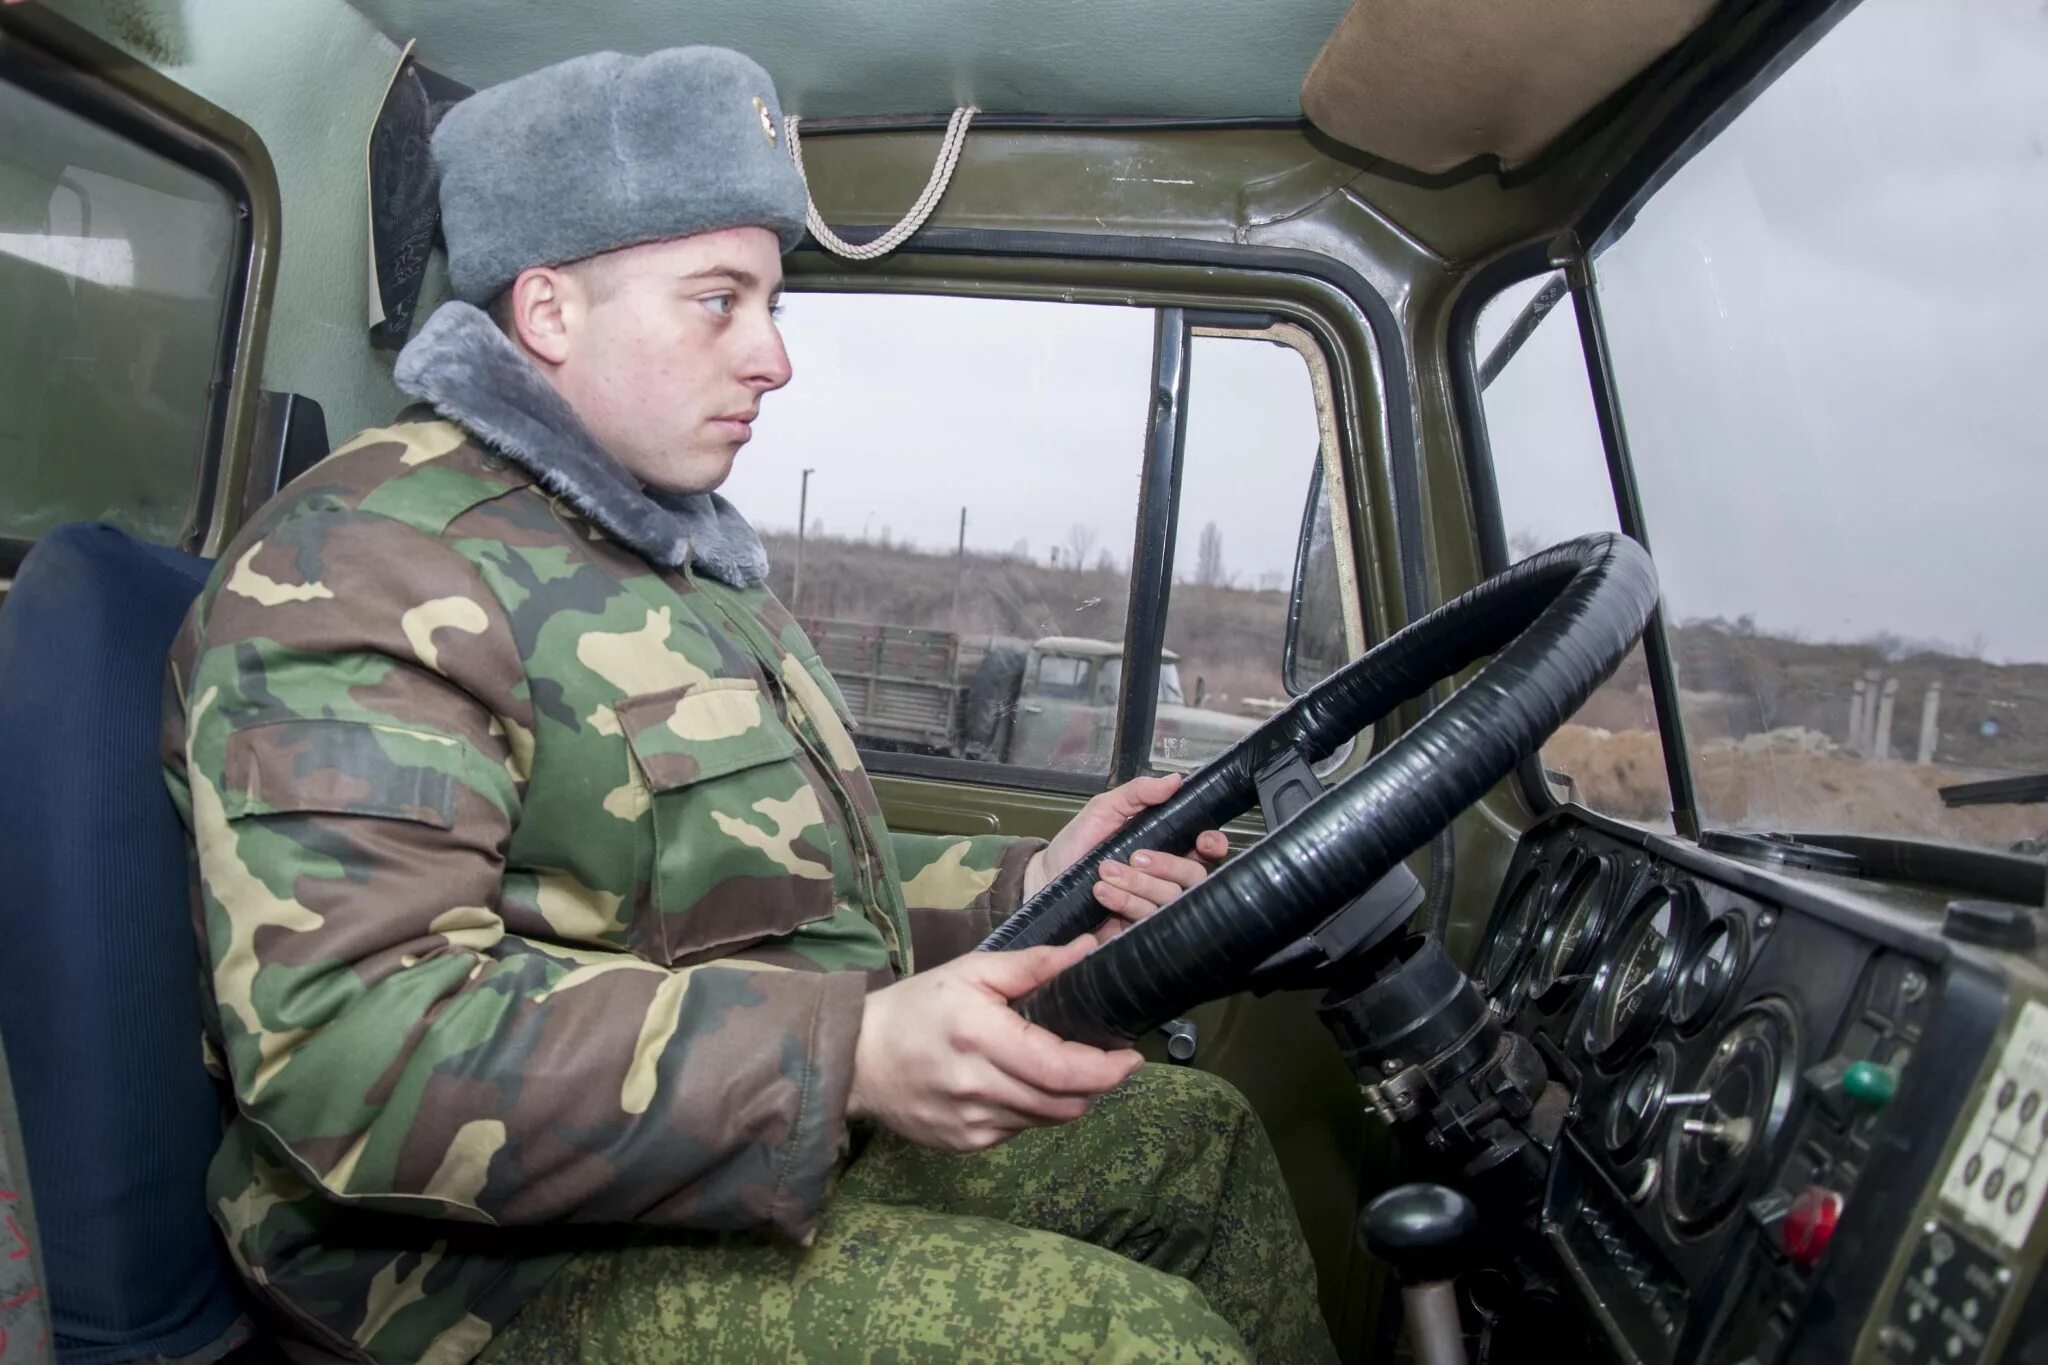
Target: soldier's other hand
{"x": 944, "y": 1061}
{"x": 1153, "y": 878}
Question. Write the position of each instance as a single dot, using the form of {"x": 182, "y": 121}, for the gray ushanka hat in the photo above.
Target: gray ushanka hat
{"x": 608, "y": 151}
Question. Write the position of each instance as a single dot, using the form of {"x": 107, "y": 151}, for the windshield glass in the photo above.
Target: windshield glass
{"x": 1112, "y": 676}
{"x": 1828, "y": 332}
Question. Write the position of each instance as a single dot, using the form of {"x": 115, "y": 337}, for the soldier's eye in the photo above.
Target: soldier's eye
{"x": 720, "y": 304}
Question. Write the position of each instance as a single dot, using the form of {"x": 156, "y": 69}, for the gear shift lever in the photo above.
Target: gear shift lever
{"x": 1425, "y": 1232}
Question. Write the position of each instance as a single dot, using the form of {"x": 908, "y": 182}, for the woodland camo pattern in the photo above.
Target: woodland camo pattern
{"x": 538, "y": 887}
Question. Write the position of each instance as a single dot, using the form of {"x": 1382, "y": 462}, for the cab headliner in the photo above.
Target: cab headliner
{"x": 835, "y": 58}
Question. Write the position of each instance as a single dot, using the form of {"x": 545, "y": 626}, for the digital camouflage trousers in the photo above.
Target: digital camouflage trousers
{"x": 1156, "y": 1229}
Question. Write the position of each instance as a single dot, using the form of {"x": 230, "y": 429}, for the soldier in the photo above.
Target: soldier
{"x": 560, "y": 957}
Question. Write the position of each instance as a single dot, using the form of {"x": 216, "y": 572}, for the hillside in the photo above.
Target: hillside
{"x": 1231, "y": 638}
{"x": 1769, "y": 716}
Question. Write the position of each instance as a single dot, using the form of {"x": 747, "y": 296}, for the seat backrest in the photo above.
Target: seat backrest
{"x": 98, "y": 969}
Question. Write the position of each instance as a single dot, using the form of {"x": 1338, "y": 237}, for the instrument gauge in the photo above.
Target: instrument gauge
{"x": 1636, "y": 1105}
{"x": 1504, "y": 951}
{"x": 1729, "y": 1121}
{"x": 1714, "y": 966}
{"x": 1572, "y": 934}
{"x": 1635, "y": 978}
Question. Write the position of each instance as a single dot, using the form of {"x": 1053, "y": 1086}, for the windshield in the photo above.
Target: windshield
{"x": 1829, "y": 330}
{"x": 1112, "y": 676}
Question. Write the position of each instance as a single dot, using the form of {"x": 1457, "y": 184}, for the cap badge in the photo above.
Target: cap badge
{"x": 767, "y": 119}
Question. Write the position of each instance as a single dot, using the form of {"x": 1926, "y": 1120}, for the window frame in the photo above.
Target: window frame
{"x": 1207, "y": 287}
{"x": 1777, "y": 37}
{"x": 56, "y": 61}
{"x": 1468, "y": 403}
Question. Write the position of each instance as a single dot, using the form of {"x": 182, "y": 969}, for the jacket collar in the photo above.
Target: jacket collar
{"x": 471, "y": 374}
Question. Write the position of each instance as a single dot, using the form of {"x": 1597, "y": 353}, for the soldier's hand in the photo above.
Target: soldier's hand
{"x": 945, "y": 1062}
{"x": 1129, "y": 892}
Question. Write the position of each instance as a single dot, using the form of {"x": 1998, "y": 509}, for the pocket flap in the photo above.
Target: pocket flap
{"x": 342, "y": 767}
{"x": 693, "y": 734}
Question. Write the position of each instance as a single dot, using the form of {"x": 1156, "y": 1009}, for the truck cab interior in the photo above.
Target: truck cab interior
{"x": 1589, "y": 451}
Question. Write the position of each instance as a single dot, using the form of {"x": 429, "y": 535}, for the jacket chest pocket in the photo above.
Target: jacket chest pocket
{"x": 744, "y": 847}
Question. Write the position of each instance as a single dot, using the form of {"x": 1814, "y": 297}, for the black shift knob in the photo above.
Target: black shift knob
{"x": 1423, "y": 1231}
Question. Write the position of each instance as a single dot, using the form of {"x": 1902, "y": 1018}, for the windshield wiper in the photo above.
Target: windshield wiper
{"x": 1999, "y": 791}
{"x": 1977, "y": 871}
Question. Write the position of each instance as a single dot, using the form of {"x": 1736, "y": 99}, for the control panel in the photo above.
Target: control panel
{"x": 1786, "y": 1138}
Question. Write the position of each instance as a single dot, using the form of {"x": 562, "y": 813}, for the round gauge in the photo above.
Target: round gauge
{"x": 1714, "y": 966}
{"x": 1636, "y": 976}
{"x": 1732, "y": 1117}
{"x": 1511, "y": 934}
{"x": 1636, "y": 1104}
{"x": 1572, "y": 934}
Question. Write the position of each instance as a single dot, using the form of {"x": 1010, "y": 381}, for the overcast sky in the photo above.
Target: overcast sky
{"x": 1031, "y": 415}
{"x": 1830, "y": 330}
{"x": 1831, "y": 335}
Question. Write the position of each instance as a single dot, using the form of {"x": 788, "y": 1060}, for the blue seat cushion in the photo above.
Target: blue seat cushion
{"x": 98, "y": 968}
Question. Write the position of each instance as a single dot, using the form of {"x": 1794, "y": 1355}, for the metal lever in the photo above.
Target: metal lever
{"x": 1426, "y": 1232}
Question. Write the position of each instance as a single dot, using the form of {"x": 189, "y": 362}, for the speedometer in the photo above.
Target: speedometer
{"x": 1636, "y": 977}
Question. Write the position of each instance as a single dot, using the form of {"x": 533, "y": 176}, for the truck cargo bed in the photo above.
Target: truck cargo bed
{"x": 899, "y": 681}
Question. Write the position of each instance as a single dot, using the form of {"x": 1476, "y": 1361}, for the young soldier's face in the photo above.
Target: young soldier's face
{"x": 666, "y": 350}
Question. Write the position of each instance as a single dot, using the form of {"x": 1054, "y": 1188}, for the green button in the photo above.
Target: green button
{"x": 1871, "y": 1084}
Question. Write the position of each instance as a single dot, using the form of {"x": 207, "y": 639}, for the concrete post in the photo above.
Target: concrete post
{"x": 1881, "y": 742}
{"x": 1870, "y": 694}
{"x": 1857, "y": 701}
{"x": 1930, "y": 717}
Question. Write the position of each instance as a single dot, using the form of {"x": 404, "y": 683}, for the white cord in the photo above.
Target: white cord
{"x": 934, "y": 190}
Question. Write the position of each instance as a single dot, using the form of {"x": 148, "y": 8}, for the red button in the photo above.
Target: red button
{"x": 1810, "y": 1225}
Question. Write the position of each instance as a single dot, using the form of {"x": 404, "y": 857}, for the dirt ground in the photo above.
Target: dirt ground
{"x": 1622, "y": 773}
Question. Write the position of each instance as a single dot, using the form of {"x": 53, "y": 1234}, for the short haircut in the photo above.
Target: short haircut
{"x": 596, "y": 274}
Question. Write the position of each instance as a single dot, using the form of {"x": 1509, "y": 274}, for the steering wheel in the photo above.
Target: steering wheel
{"x": 1558, "y": 624}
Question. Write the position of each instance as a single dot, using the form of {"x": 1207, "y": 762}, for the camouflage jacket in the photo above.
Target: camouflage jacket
{"x": 539, "y": 881}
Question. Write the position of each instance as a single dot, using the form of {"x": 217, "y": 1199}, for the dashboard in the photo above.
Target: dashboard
{"x": 1806, "y": 1123}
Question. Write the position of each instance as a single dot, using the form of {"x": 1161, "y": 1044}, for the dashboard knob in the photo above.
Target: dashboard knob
{"x": 1870, "y": 1084}
{"x": 1810, "y": 1225}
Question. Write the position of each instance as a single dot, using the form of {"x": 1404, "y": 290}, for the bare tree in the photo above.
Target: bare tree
{"x": 1105, "y": 562}
{"x": 1080, "y": 543}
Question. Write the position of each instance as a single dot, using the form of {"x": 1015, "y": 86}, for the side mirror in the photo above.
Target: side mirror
{"x": 1315, "y": 612}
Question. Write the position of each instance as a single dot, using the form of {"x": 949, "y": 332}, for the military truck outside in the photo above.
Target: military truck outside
{"x": 1046, "y": 703}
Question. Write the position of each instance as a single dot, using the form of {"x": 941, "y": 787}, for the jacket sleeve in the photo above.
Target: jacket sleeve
{"x": 958, "y": 889}
{"x": 358, "y": 731}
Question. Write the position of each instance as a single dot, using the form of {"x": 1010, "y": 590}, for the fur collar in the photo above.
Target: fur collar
{"x": 463, "y": 366}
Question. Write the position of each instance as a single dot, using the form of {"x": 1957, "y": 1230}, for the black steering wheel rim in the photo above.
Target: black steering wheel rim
{"x": 1557, "y": 625}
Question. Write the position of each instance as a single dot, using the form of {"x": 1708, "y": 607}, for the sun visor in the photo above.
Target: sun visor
{"x": 1432, "y": 84}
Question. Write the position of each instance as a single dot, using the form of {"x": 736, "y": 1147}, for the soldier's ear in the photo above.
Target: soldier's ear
{"x": 541, "y": 306}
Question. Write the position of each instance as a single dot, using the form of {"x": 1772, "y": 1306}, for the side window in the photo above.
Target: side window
{"x": 1254, "y": 439}
{"x": 1550, "y": 475}
{"x": 116, "y": 266}
{"x": 948, "y": 490}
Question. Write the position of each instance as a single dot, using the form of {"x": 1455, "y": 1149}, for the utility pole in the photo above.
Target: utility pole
{"x": 803, "y": 509}
{"x": 959, "y": 569}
